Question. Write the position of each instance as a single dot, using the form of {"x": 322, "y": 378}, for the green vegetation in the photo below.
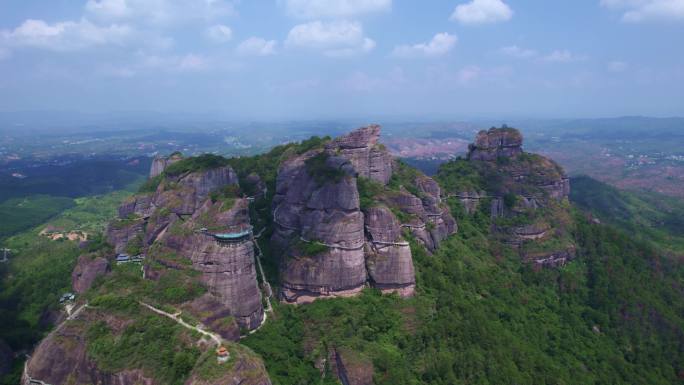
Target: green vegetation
{"x": 196, "y": 163}
{"x": 310, "y": 249}
{"x": 482, "y": 316}
{"x": 150, "y": 342}
{"x": 19, "y": 214}
{"x": 404, "y": 176}
{"x": 317, "y": 166}
{"x": 39, "y": 272}
{"x": 75, "y": 178}
{"x": 369, "y": 192}
{"x": 151, "y": 184}
{"x": 460, "y": 175}
{"x": 645, "y": 215}
{"x": 226, "y": 196}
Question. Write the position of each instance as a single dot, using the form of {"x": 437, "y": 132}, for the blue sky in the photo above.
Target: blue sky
{"x": 310, "y": 59}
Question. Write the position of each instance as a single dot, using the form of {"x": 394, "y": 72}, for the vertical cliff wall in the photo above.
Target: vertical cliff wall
{"x": 330, "y": 245}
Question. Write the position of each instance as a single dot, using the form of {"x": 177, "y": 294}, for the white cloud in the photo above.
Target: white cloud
{"x": 160, "y": 12}
{"x": 109, "y": 8}
{"x": 256, "y": 46}
{"x": 359, "y": 81}
{"x": 336, "y": 38}
{"x": 172, "y": 63}
{"x": 440, "y": 44}
{"x": 617, "y": 66}
{"x": 468, "y": 74}
{"x": 515, "y": 51}
{"x": 481, "y": 12}
{"x": 65, "y": 36}
{"x": 635, "y": 11}
{"x": 192, "y": 62}
{"x": 562, "y": 56}
{"x": 557, "y": 56}
{"x": 315, "y": 9}
{"x": 219, "y": 33}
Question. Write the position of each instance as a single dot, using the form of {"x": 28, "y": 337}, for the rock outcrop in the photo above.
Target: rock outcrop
{"x": 308, "y": 213}
{"x": 369, "y": 158}
{"x": 527, "y": 195}
{"x": 333, "y": 247}
{"x": 62, "y": 358}
{"x": 170, "y": 219}
{"x": 160, "y": 163}
{"x": 87, "y": 269}
{"x": 496, "y": 143}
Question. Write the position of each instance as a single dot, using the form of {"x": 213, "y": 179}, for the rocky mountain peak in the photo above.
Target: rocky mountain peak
{"x": 363, "y": 137}
{"x": 160, "y": 163}
{"x": 361, "y": 148}
{"x": 331, "y": 244}
{"x": 496, "y": 143}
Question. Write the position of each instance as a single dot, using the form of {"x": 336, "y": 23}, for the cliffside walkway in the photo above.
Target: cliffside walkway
{"x": 333, "y": 246}
{"x": 383, "y": 243}
{"x": 215, "y": 337}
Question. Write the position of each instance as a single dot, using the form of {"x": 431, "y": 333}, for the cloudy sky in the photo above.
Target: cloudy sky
{"x": 307, "y": 59}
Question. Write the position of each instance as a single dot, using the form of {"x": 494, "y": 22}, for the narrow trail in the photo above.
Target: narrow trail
{"x": 176, "y": 317}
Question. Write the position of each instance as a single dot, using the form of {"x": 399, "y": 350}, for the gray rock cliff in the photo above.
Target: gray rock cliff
{"x": 330, "y": 245}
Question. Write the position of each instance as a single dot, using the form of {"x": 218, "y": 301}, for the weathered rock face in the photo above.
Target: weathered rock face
{"x": 228, "y": 269}
{"x": 215, "y": 315}
{"x": 388, "y": 256}
{"x": 85, "y": 272}
{"x": 246, "y": 369}
{"x": 124, "y": 232}
{"x": 160, "y": 163}
{"x": 368, "y": 158}
{"x": 171, "y": 218}
{"x": 62, "y": 358}
{"x": 333, "y": 248}
{"x": 495, "y": 143}
{"x": 328, "y": 214}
